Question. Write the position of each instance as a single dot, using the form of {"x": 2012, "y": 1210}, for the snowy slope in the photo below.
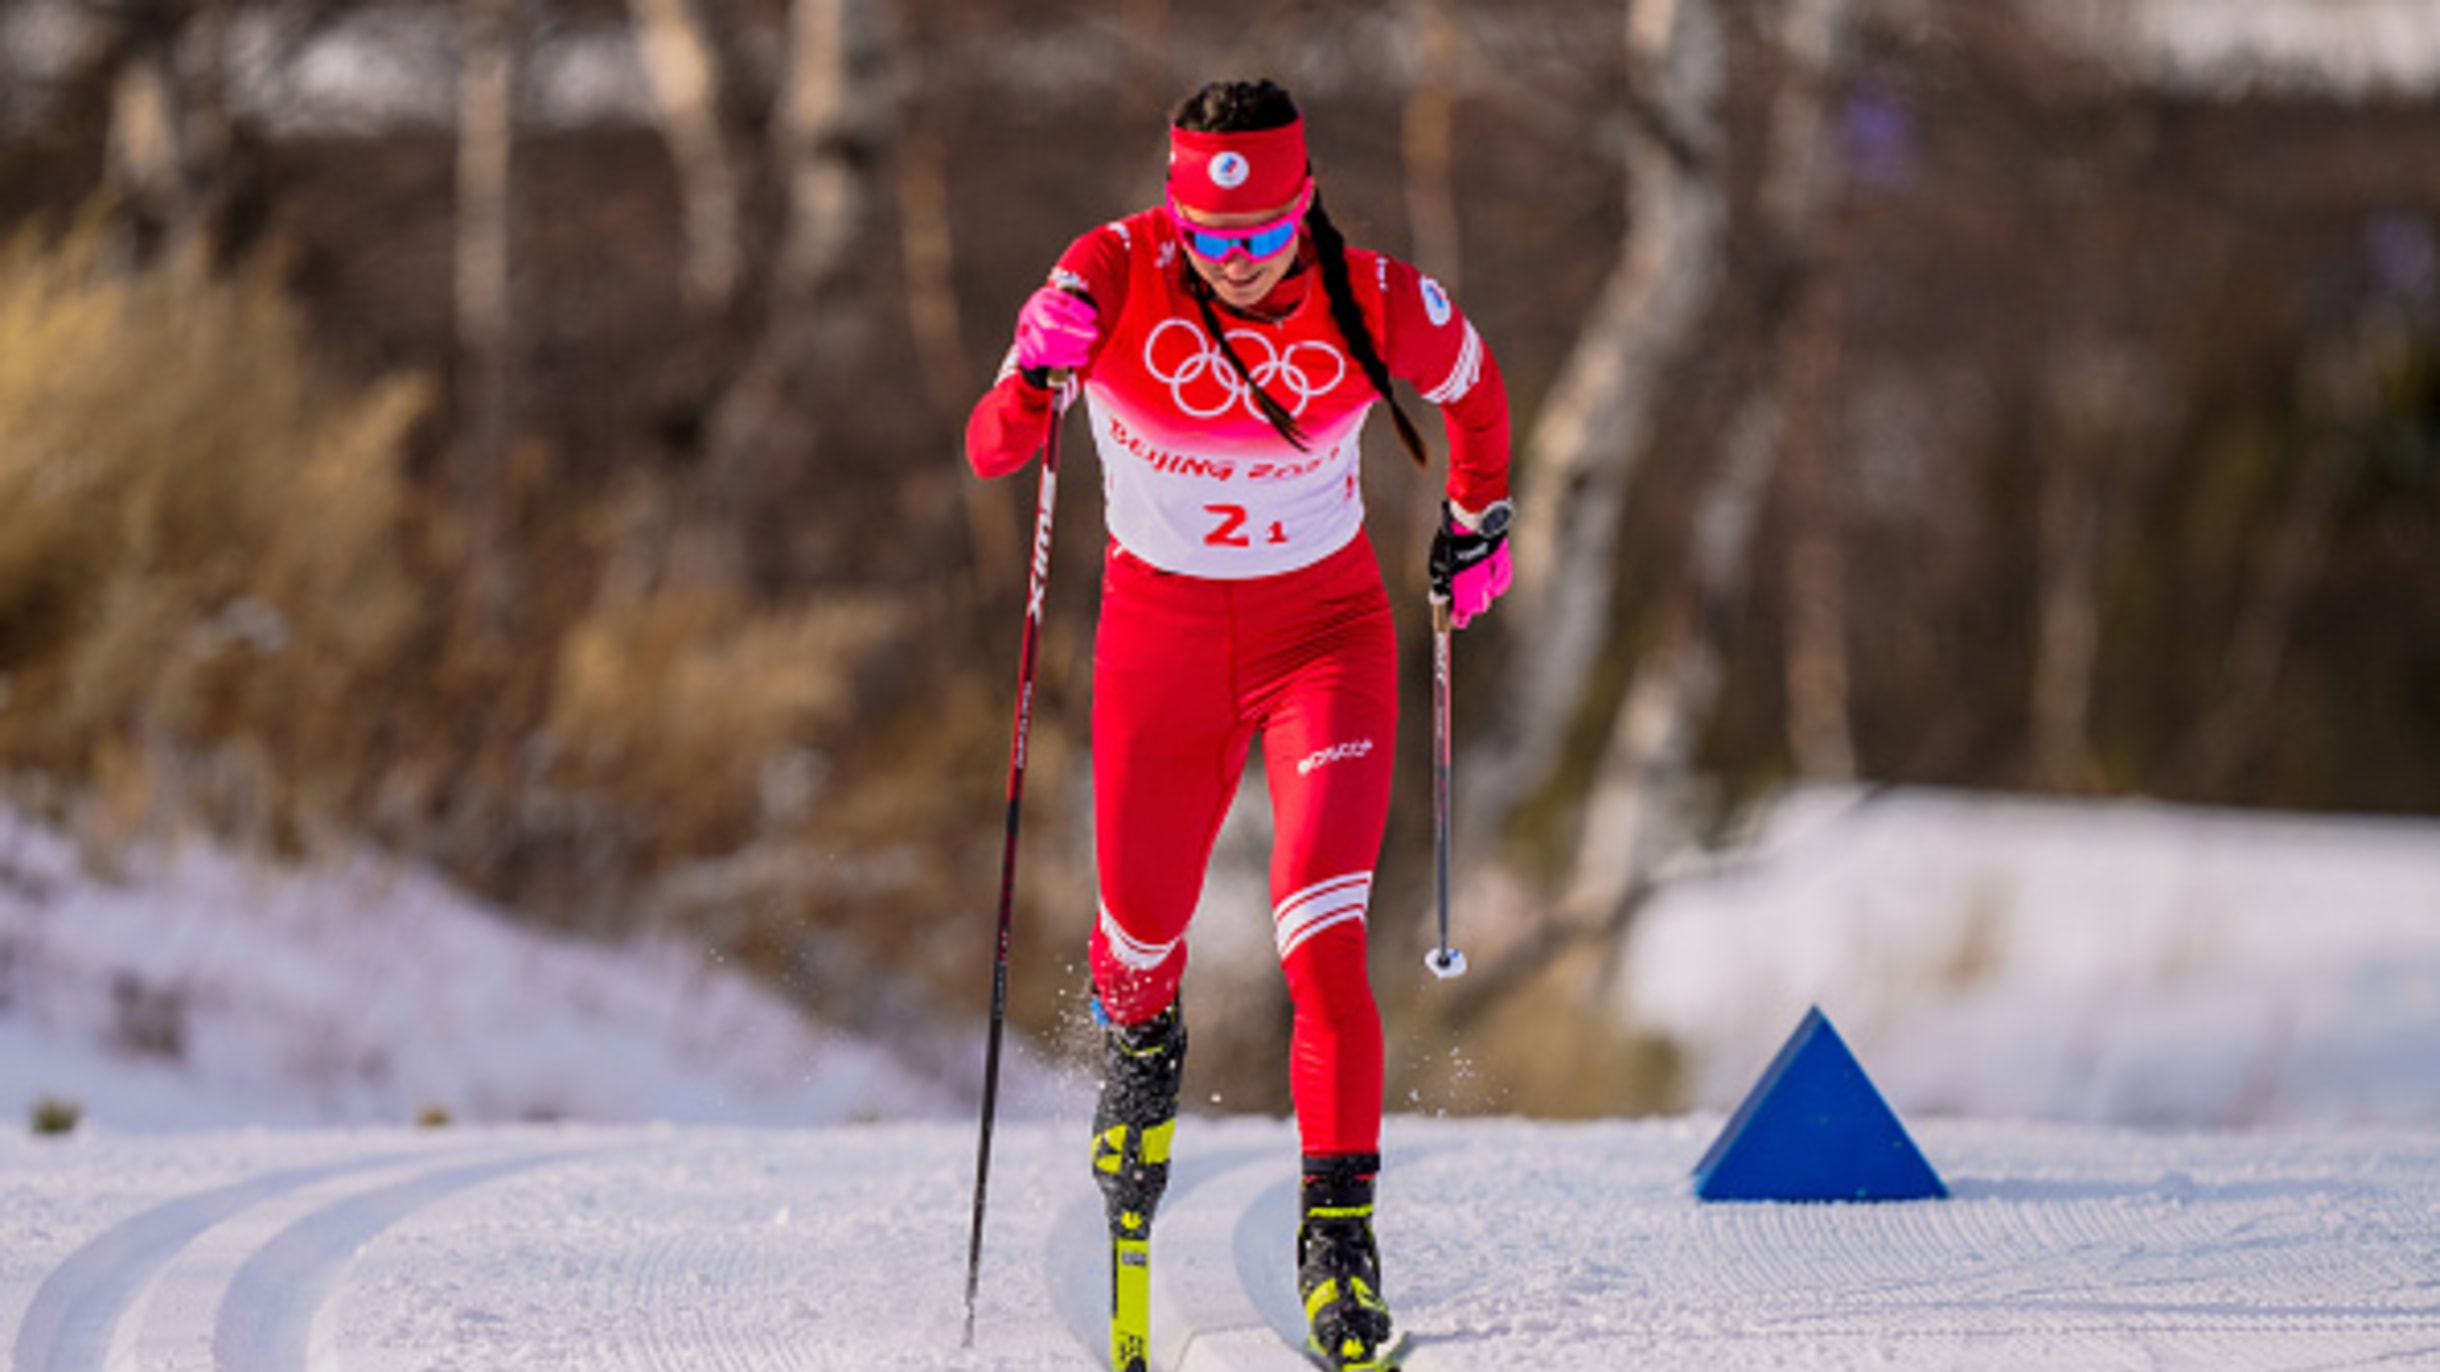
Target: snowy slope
{"x": 196, "y": 989}
{"x": 1961, "y": 943}
{"x": 2234, "y": 48}
{"x": 2099, "y": 962}
{"x": 1507, "y": 1245}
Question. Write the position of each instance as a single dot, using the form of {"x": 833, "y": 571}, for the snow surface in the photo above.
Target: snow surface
{"x": 1506, "y": 1245}
{"x": 2111, "y": 963}
{"x": 198, "y": 989}
{"x": 2235, "y": 48}
{"x": 2104, "y": 962}
{"x": 732, "y": 1186}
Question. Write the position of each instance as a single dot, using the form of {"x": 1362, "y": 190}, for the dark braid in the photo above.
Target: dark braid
{"x": 1272, "y": 410}
{"x": 1332, "y": 249}
{"x": 1244, "y": 107}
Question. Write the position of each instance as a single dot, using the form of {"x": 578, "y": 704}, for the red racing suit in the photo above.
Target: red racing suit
{"x": 1241, "y": 598}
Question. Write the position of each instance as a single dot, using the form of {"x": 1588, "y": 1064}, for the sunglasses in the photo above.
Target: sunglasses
{"x": 1259, "y": 242}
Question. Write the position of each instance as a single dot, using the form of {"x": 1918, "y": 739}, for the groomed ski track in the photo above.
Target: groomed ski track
{"x": 1507, "y": 1244}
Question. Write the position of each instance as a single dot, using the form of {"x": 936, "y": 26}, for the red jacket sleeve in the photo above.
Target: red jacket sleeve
{"x": 1433, "y": 347}
{"x": 1007, "y": 426}
{"x": 1014, "y": 416}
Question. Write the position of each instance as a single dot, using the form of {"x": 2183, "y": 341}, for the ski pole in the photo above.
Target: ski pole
{"x": 1037, "y": 584}
{"x": 1445, "y": 962}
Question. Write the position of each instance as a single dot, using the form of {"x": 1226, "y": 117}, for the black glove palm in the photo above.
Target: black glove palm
{"x": 1457, "y": 549}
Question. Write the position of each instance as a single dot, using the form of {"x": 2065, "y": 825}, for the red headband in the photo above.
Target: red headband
{"x": 1237, "y": 173}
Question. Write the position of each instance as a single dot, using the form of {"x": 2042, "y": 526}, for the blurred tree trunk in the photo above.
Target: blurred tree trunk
{"x": 217, "y": 161}
{"x": 2067, "y": 645}
{"x": 1634, "y": 808}
{"x": 1782, "y": 430}
{"x": 171, "y": 159}
{"x": 821, "y": 136}
{"x": 489, "y": 42}
{"x": 1638, "y": 791}
{"x": 2104, "y": 408}
{"x": 1800, "y": 209}
{"x": 1634, "y": 813}
{"x": 1427, "y": 138}
{"x": 1818, "y": 682}
{"x": 927, "y": 243}
{"x": 2232, "y": 731}
{"x": 1431, "y": 196}
{"x": 146, "y": 168}
{"x": 2346, "y": 390}
{"x": 689, "y": 80}
{"x": 763, "y": 427}
{"x": 1582, "y": 454}
{"x": 1145, "y": 100}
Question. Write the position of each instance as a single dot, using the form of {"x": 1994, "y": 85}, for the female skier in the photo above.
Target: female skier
{"x": 1229, "y": 345}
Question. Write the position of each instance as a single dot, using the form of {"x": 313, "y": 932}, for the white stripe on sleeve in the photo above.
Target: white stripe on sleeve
{"x": 1467, "y": 370}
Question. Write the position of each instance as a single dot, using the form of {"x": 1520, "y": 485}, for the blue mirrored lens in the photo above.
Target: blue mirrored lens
{"x": 1270, "y": 241}
{"x": 1257, "y": 246}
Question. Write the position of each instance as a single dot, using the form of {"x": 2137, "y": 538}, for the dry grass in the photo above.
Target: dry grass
{"x": 53, "y": 1116}
{"x": 699, "y": 695}
{"x": 224, "y": 601}
{"x": 199, "y": 534}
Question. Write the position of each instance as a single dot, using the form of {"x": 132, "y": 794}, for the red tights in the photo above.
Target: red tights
{"x": 1186, "y": 672}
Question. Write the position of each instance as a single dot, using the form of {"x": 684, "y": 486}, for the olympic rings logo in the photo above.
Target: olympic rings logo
{"x": 1204, "y": 385}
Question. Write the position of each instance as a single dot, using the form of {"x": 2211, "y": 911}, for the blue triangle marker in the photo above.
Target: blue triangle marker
{"x": 1814, "y": 1128}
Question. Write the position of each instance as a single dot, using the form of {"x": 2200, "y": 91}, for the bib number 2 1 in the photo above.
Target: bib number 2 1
{"x": 1229, "y": 528}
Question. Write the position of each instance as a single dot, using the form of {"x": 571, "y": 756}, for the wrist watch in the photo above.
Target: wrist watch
{"x": 1495, "y": 518}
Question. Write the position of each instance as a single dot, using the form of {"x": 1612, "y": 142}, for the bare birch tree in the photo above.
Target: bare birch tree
{"x": 169, "y": 163}
{"x": 1799, "y": 204}
{"x": 147, "y": 154}
{"x": 927, "y": 248}
{"x": 1786, "y": 428}
{"x": 2345, "y": 385}
{"x": 689, "y": 78}
{"x": 1633, "y": 813}
{"x": 1430, "y": 117}
{"x": 1582, "y": 453}
{"x": 821, "y": 125}
{"x": 2089, "y": 397}
{"x": 763, "y": 418}
{"x": 489, "y": 40}
{"x": 1145, "y": 96}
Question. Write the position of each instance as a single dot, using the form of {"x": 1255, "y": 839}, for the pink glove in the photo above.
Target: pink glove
{"x": 1473, "y": 589}
{"x": 1055, "y": 331}
{"x": 1469, "y": 568}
